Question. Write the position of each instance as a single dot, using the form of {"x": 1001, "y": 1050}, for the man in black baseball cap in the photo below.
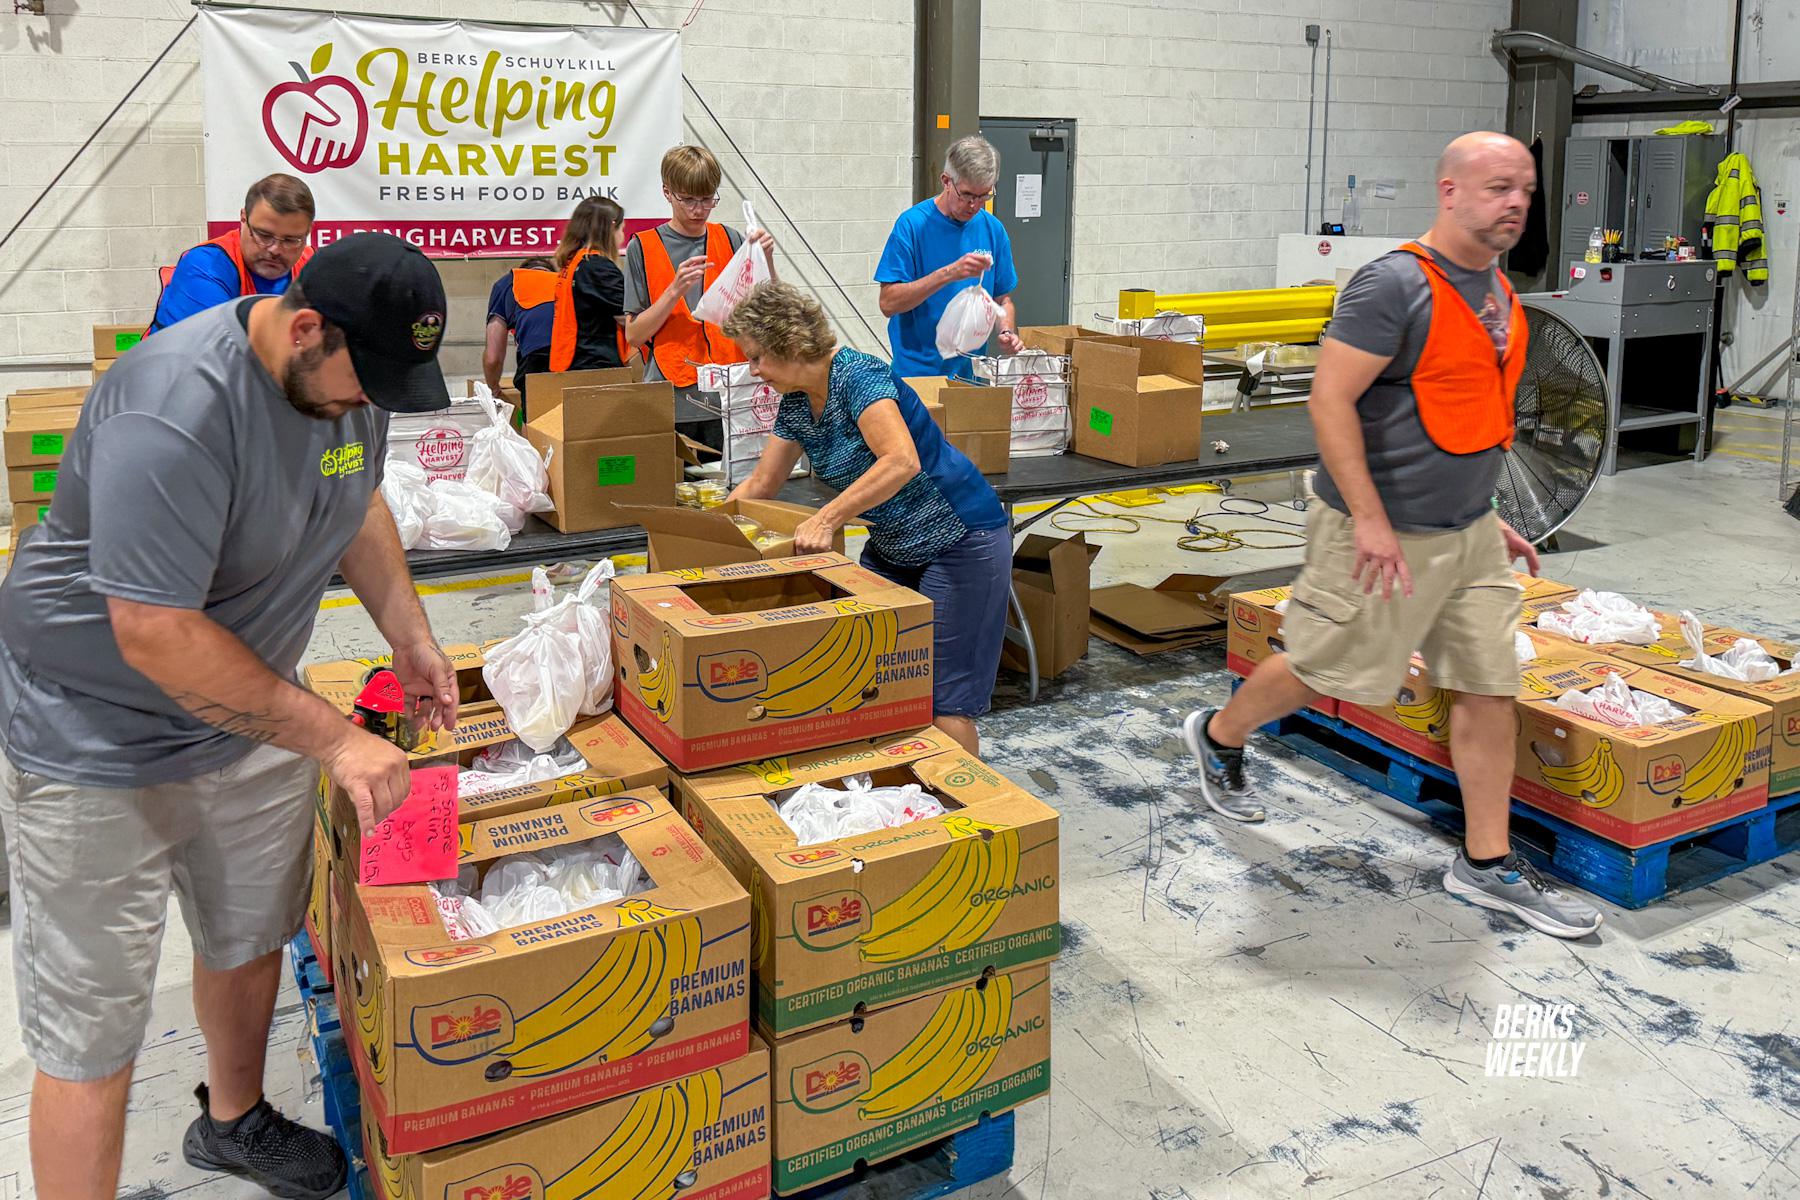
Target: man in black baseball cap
{"x": 153, "y": 737}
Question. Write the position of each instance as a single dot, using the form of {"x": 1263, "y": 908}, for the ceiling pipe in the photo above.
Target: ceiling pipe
{"x": 1528, "y": 44}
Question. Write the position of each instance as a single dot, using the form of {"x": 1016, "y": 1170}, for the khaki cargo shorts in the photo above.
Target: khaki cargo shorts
{"x": 1461, "y": 616}
{"x": 92, "y": 868}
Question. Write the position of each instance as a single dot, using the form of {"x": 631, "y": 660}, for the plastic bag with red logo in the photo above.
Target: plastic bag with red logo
{"x": 1602, "y": 617}
{"x": 538, "y": 675}
{"x": 967, "y": 322}
{"x": 747, "y": 268}
{"x": 1616, "y": 702}
{"x": 821, "y": 813}
{"x": 501, "y": 461}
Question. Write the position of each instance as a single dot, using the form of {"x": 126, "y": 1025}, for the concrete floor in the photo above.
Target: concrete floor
{"x": 1296, "y": 1009}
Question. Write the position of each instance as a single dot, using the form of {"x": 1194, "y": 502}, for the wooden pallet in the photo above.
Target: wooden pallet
{"x": 948, "y": 1165}
{"x": 1629, "y": 878}
{"x": 331, "y": 1055}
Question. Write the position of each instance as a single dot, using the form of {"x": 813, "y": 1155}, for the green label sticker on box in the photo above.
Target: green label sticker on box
{"x": 614, "y": 469}
{"x": 47, "y": 443}
{"x": 43, "y": 512}
{"x": 1100, "y": 421}
{"x": 43, "y": 481}
{"x": 125, "y": 341}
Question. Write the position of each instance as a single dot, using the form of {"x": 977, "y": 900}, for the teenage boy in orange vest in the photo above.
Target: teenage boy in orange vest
{"x": 258, "y": 258}
{"x": 1413, "y": 407}
{"x": 667, "y": 270}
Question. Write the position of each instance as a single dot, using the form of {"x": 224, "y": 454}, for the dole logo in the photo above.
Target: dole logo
{"x": 443, "y": 956}
{"x": 827, "y": 922}
{"x": 812, "y": 856}
{"x": 1790, "y": 730}
{"x": 901, "y": 749}
{"x": 718, "y": 622}
{"x": 514, "y": 1181}
{"x": 830, "y": 1082}
{"x": 512, "y": 1187}
{"x": 319, "y": 123}
{"x": 604, "y": 813}
{"x": 447, "y": 1029}
{"x": 1667, "y": 774}
{"x": 461, "y": 1030}
{"x": 1244, "y": 615}
{"x": 731, "y": 675}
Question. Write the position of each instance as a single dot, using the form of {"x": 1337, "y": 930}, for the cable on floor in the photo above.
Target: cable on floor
{"x": 1203, "y": 536}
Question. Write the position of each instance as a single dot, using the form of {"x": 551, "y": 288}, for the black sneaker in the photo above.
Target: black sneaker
{"x": 1221, "y": 771}
{"x": 276, "y": 1154}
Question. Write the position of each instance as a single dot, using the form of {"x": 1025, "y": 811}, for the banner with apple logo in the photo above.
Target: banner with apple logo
{"x": 467, "y": 138}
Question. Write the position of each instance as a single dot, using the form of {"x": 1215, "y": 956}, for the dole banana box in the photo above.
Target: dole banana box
{"x": 845, "y": 926}
{"x": 868, "y": 1089}
{"x": 702, "y": 1137}
{"x": 1781, "y": 695}
{"x": 1635, "y": 785}
{"x": 318, "y": 900}
{"x": 453, "y": 1040}
{"x": 1253, "y": 633}
{"x": 726, "y": 664}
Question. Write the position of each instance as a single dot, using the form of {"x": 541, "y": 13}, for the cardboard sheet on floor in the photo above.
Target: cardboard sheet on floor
{"x": 1050, "y": 577}
{"x": 1179, "y": 612}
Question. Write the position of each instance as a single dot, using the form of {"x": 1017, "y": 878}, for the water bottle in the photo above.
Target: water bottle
{"x": 1352, "y": 214}
{"x": 1595, "y": 241}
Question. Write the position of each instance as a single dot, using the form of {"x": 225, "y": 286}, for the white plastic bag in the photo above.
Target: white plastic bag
{"x": 537, "y": 674}
{"x": 747, "y": 268}
{"x": 819, "y": 813}
{"x": 408, "y": 495}
{"x": 967, "y": 322}
{"x": 538, "y": 886}
{"x": 584, "y": 618}
{"x": 1601, "y": 617}
{"x": 1746, "y": 661}
{"x": 1617, "y": 703}
{"x": 514, "y": 764}
{"x": 464, "y": 517}
{"x": 1523, "y": 649}
{"x": 501, "y": 461}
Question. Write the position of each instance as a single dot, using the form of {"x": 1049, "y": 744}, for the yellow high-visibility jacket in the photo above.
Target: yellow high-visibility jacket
{"x": 1734, "y": 221}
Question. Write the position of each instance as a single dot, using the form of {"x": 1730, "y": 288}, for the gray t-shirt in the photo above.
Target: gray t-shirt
{"x": 638, "y": 298}
{"x": 1386, "y": 309}
{"x": 190, "y": 482}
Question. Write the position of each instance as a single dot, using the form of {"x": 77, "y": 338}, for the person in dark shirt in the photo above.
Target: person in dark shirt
{"x": 522, "y": 303}
{"x": 590, "y": 295}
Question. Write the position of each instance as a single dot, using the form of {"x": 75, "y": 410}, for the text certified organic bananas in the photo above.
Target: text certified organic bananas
{"x": 956, "y": 903}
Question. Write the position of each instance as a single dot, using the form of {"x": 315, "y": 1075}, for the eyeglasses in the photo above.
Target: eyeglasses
{"x": 269, "y": 241}
{"x": 972, "y": 197}
{"x": 697, "y": 202}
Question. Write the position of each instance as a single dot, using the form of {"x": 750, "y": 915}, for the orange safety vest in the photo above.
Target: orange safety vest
{"x": 683, "y": 341}
{"x": 1464, "y": 388}
{"x": 562, "y": 294}
{"x": 231, "y": 243}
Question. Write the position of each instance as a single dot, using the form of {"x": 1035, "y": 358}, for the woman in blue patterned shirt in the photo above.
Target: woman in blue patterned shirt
{"x": 935, "y": 525}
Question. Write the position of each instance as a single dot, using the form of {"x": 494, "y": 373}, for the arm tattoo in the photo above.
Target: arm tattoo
{"x": 255, "y": 725}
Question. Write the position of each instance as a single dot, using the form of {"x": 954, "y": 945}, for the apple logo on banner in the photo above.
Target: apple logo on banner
{"x": 319, "y": 123}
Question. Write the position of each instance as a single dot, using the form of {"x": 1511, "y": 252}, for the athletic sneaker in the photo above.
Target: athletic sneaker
{"x": 276, "y": 1154}
{"x": 1221, "y": 771}
{"x": 1515, "y": 886}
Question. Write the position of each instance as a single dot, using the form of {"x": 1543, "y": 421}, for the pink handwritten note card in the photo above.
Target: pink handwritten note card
{"x": 417, "y": 841}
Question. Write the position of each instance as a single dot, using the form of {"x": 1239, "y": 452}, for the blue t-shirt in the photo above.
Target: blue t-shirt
{"x": 923, "y": 240}
{"x": 204, "y": 278}
{"x": 530, "y": 327}
{"x": 936, "y": 508}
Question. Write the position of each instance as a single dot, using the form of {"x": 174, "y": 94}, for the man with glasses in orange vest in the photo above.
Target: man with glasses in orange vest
{"x": 1413, "y": 403}
{"x": 667, "y": 270}
{"x": 258, "y": 258}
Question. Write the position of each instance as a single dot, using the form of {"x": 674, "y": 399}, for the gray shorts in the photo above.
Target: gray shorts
{"x": 91, "y": 872}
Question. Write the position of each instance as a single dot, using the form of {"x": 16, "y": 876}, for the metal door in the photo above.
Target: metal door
{"x": 1661, "y": 166}
{"x": 1034, "y": 199}
{"x": 1584, "y": 201}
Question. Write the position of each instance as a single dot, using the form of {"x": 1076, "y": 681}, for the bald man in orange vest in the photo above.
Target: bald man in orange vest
{"x": 258, "y": 258}
{"x": 1413, "y": 404}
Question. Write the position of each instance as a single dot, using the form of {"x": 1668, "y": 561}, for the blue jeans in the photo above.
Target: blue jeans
{"x": 968, "y": 586}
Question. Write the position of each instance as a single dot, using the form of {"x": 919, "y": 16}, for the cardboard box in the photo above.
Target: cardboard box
{"x": 990, "y": 451}
{"x": 453, "y": 1040}
{"x": 862, "y": 922}
{"x": 590, "y": 478}
{"x": 705, "y": 1136}
{"x": 39, "y": 398}
{"x": 966, "y": 407}
{"x": 29, "y": 484}
{"x": 1055, "y": 339}
{"x": 1781, "y": 695}
{"x": 1643, "y": 784}
{"x": 318, "y": 900}
{"x": 864, "y": 1091}
{"x": 689, "y": 537}
{"x": 721, "y": 665}
{"x": 1254, "y": 633}
{"x": 1180, "y": 612}
{"x": 1050, "y": 578}
{"x": 26, "y": 515}
{"x": 39, "y": 437}
{"x": 544, "y": 392}
{"x": 110, "y": 341}
{"x": 102, "y": 366}
{"x": 1121, "y": 418}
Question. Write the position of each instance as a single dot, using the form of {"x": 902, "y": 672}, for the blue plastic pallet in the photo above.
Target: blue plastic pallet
{"x": 948, "y": 1165}
{"x": 337, "y": 1077}
{"x": 1629, "y": 878}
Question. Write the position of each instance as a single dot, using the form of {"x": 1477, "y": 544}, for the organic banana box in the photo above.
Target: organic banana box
{"x": 867, "y": 1089}
{"x": 318, "y": 900}
{"x": 458, "y": 1039}
{"x": 1253, "y": 633}
{"x": 1635, "y": 785}
{"x": 845, "y": 926}
{"x": 726, "y": 664}
{"x": 701, "y": 1137}
{"x": 1781, "y": 695}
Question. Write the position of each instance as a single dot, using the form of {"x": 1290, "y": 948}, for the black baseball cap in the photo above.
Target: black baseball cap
{"x": 388, "y": 299}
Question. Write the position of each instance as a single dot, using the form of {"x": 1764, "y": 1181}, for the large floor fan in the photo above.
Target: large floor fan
{"x": 1555, "y": 456}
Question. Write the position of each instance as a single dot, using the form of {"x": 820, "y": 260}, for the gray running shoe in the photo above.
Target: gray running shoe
{"x": 1221, "y": 771}
{"x": 1516, "y": 887}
